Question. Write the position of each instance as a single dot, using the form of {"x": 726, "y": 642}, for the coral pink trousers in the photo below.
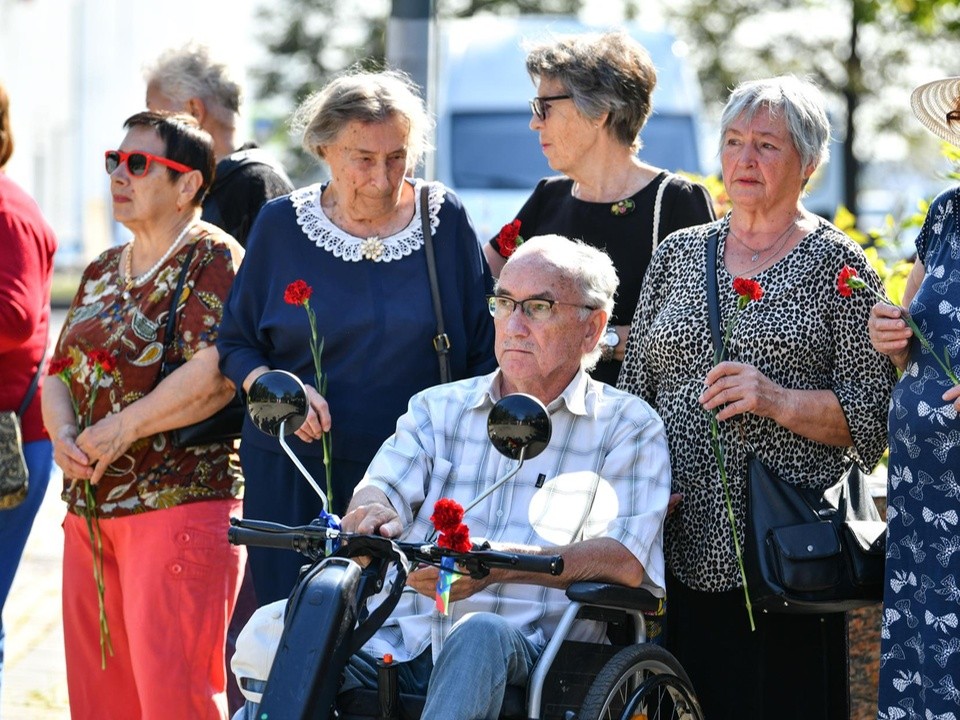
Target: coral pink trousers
{"x": 171, "y": 583}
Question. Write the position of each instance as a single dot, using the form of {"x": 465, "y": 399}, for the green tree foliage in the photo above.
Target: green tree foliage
{"x": 865, "y": 53}
{"x": 309, "y": 41}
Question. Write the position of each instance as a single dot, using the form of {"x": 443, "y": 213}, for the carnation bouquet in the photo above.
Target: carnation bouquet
{"x": 100, "y": 365}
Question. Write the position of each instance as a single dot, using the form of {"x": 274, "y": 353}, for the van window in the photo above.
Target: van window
{"x": 492, "y": 150}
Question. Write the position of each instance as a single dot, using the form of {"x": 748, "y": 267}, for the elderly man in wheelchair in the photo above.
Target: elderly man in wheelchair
{"x": 596, "y": 496}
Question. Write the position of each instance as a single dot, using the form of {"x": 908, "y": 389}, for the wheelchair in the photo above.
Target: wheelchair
{"x": 582, "y": 681}
{"x": 327, "y": 619}
{"x": 326, "y": 623}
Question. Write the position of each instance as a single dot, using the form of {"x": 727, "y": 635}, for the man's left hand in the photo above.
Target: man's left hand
{"x": 424, "y": 581}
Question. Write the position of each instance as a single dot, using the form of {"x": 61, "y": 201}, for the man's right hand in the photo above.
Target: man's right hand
{"x": 370, "y": 513}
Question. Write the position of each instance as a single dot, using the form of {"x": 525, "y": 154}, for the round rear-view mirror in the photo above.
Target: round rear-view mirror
{"x": 516, "y": 422}
{"x": 275, "y": 397}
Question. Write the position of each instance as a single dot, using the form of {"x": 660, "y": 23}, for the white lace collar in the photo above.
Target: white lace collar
{"x": 321, "y": 231}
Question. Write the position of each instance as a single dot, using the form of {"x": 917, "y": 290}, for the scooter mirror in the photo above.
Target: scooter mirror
{"x": 516, "y": 422}
{"x": 275, "y": 397}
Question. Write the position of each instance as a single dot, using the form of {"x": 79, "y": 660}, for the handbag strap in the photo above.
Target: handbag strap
{"x": 657, "y": 205}
{"x": 441, "y": 341}
{"x": 32, "y": 390}
{"x": 175, "y": 300}
{"x": 713, "y": 294}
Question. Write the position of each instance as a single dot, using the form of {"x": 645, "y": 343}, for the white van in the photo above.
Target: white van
{"x": 485, "y": 149}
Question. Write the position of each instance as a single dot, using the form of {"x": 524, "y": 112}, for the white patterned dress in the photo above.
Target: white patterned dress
{"x": 920, "y": 647}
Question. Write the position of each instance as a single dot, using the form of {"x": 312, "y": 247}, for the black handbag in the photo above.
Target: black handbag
{"x": 805, "y": 551}
{"x": 223, "y": 426}
{"x": 812, "y": 552}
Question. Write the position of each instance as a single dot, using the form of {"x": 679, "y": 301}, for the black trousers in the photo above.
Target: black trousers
{"x": 792, "y": 666}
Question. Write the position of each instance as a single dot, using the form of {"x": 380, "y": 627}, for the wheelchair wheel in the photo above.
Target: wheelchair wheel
{"x": 641, "y": 682}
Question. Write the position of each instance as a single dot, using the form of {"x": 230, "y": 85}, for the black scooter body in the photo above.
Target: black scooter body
{"x": 320, "y": 620}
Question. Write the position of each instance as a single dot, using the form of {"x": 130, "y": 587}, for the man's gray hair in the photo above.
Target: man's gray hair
{"x": 367, "y": 97}
{"x": 192, "y": 71}
{"x": 799, "y": 101}
{"x": 603, "y": 73}
{"x": 589, "y": 269}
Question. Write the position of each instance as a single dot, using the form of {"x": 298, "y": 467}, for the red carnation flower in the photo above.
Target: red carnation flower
{"x": 447, "y": 515}
{"x": 297, "y": 292}
{"x": 748, "y": 288}
{"x": 106, "y": 361}
{"x": 59, "y": 366}
{"x": 508, "y": 240}
{"x": 848, "y": 281}
{"x": 457, "y": 539}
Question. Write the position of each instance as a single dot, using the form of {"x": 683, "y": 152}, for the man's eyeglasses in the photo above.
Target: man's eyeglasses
{"x": 138, "y": 163}
{"x": 540, "y": 105}
{"x": 536, "y": 309}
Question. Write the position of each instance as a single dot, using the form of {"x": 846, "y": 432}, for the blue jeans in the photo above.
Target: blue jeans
{"x": 482, "y": 647}
{"x": 15, "y": 523}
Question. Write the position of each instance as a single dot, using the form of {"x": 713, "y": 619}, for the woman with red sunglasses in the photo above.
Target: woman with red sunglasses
{"x": 157, "y": 616}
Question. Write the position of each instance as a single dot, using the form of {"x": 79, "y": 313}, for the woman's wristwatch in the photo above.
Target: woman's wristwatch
{"x": 608, "y": 342}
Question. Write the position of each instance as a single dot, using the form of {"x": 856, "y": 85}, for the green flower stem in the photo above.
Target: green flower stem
{"x": 717, "y": 445}
{"x": 857, "y": 284}
{"x": 96, "y": 542}
{"x": 96, "y": 539}
{"x": 316, "y": 350}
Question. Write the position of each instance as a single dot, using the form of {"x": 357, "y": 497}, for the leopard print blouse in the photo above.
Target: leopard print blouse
{"x": 802, "y": 334}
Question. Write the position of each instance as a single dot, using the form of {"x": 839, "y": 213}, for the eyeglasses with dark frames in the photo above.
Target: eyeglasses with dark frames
{"x": 535, "y": 308}
{"x": 138, "y": 163}
{"x": 540, "y": 105}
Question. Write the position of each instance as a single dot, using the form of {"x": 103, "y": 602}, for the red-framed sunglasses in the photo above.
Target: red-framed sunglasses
{"x": 138, "y": 163}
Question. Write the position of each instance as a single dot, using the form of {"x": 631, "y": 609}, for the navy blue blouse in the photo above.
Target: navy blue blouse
{"x": 376, "y": 318}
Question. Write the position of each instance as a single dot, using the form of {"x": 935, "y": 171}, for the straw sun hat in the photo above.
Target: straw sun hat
{"x": 932, "y": 101}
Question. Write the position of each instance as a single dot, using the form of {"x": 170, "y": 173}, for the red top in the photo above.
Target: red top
{"x": 27, "y": 245}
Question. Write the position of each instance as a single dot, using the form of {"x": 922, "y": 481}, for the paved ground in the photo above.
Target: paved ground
{"x": 34, "y": 676}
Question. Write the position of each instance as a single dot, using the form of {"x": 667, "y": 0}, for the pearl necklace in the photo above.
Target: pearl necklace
{"x": 135, "y": 282}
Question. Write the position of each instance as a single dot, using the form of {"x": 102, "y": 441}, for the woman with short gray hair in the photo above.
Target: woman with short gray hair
{"x": 594, "y": 95}
{"x": 365, "y": 98}
{"x": 799, "y": 103}
{"x": 358, "y": 241}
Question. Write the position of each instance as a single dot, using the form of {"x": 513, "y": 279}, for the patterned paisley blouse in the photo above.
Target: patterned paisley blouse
{"x": 152, "y": 474}
{"x": 802, "y": 334}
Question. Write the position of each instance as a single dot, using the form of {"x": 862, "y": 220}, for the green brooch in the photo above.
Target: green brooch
{"x": 624, "y": 207}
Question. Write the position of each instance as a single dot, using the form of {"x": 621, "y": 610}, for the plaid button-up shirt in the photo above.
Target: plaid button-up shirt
{"x": 606, "y": 474}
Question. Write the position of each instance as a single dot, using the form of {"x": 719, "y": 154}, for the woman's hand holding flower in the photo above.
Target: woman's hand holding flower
{"x": 889, "y": 334}
{"x": 105, "y": 442}
{"x": 735, "y": 388}
{"x": 318, "y": 419}
{"x": 953, "y": 395}
{"x": 68, "y": 457}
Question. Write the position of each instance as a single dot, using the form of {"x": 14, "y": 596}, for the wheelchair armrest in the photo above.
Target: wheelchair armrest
{"x": 615, "y": 596}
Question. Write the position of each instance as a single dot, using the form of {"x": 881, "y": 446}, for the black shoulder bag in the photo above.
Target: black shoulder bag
{"x": 223, "y": 426}
{"x": 805, "y": 551}
{"x": 441, "y": 341}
